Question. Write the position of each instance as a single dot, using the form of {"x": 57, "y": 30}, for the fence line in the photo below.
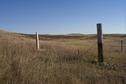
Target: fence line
{"x": 99, "y": 41}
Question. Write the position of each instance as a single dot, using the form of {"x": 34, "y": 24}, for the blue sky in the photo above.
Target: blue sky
{"x": 63, "y": 16}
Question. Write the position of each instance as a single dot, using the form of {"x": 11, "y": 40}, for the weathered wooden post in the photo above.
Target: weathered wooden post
{"x": 37, "y": 41}
{"x": 100, "y": 43}
{"x": 121, "y": 45}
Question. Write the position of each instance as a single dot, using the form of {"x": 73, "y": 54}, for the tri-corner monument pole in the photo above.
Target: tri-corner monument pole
{"x": 37, "y": 41}
{"x": 100, "y": 43}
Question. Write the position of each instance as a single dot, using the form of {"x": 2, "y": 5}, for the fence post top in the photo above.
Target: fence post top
{"x": 99, "y": 23}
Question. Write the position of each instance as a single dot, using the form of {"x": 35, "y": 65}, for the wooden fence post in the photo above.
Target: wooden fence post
{"x": 37, "y": 41}
{"x": 121, "y": 45}
{"x": 100, "y": 43}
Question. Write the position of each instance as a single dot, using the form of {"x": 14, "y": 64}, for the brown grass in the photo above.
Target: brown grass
{"x": 63, "y": 62}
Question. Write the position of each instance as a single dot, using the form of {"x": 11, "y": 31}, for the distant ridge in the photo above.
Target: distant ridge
{"x": 71, "y": 35}
{"x": 75, "y": 34}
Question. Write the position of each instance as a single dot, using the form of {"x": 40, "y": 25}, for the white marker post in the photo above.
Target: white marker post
{"x": 37, "y": 41}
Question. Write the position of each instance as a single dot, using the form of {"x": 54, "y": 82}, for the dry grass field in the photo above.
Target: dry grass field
{"x": 61, "y": 60}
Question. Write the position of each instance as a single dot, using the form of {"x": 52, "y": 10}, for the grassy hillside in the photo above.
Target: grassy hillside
{"x": 64, "y": 60}
{"x": 73, "y": 36}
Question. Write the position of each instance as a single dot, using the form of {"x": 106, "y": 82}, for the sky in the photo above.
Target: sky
{"x": 63, "y": 16}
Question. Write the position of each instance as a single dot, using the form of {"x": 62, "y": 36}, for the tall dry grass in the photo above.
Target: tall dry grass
{"x": 20, "y": 63}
